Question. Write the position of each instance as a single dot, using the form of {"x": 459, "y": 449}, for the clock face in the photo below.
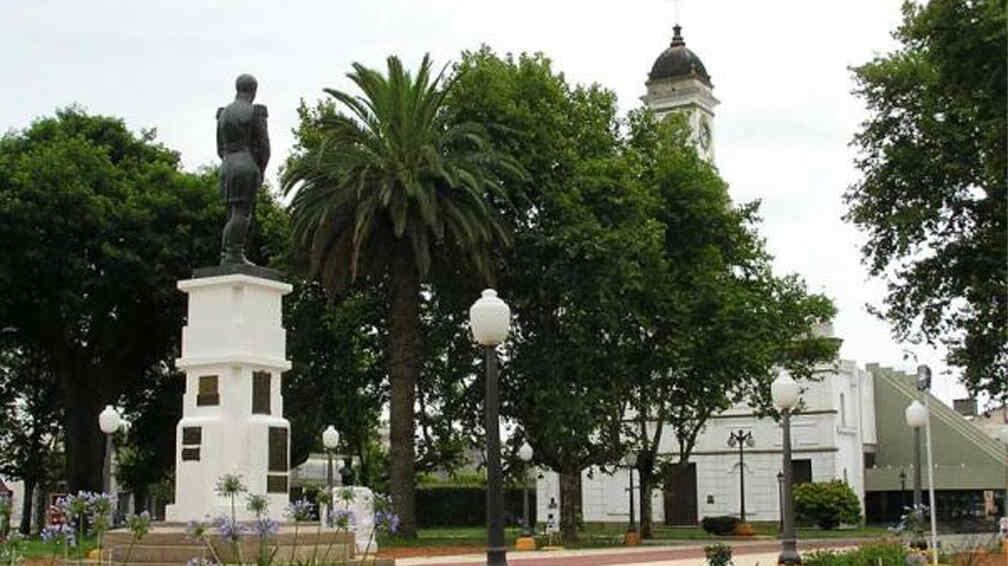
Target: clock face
{"x": 705, "y": 134}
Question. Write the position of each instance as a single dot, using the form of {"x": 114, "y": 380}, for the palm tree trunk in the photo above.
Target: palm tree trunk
{"x": 404, "y": 320}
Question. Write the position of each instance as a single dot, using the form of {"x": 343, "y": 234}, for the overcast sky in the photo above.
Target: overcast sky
{"x": 779, "y": 69}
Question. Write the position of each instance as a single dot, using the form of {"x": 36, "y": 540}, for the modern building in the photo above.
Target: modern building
{"x": 851, "y": 428}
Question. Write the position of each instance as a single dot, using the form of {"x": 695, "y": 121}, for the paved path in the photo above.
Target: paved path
{"x": 762, "y": 553}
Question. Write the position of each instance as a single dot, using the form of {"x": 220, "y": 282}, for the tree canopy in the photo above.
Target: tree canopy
{"x": 106, "y": 223}
{"x": 932, "y": 195}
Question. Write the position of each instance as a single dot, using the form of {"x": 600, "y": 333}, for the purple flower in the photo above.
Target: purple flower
{"x": 387, "y": 521}
{"x": 300, "y": 510}
{"x": 264, "y": 527}
{"x": 228, "y": 529}
{"x": 60, "y": 534}
{"x": 343, "y": 518}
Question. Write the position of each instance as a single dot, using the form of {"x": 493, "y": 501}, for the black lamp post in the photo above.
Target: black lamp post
{"x": 490, "y": 319}
{"x": 785, "y": 392}
{"x": 630, "y": 460}
{"x": 742, "y": 438}
{"x": 780, "y": 500}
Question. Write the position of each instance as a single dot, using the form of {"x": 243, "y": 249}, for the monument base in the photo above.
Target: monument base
{"x": 167, "y": 543}
{"x": 233, "y": 356}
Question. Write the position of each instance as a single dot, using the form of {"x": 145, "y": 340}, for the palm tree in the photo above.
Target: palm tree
{"x": 392, "y": 186}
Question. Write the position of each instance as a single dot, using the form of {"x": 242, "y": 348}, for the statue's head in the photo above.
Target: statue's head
{"x": 246, "y": 86}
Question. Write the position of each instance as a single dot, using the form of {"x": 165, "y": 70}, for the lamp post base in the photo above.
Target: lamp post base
{"x": 496, "y": 557}
{"x": 789, "y": 553}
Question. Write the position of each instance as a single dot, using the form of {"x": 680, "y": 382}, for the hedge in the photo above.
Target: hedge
{"x": 450, "y": 506}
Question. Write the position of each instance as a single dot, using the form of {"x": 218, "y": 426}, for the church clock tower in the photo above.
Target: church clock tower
{"x": 678, "y": 82}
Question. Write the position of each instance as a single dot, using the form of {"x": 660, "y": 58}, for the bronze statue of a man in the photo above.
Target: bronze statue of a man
{"x": 243, "y": 146}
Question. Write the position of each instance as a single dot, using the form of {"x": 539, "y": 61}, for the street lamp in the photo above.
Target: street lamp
{"x": 916, "y": 416}
{"x": 785, "y": 392}
{"x": 630, "y": 460}
{"x": 923, "y": 385}
{"x": 490, "y": 319}
{"x": 742, "y": 438}
{"x": 525, "y": 454}
{"x": 109, "y": 422}
{"x": 330, "y": 440}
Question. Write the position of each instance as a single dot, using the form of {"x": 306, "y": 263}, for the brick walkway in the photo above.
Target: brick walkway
{"x": 686, "y": 554}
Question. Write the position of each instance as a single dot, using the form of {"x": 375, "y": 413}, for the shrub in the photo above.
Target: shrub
{"x": 453, "y": 506}
{"x": 718, "y": 554}
{"x": 720, "y": 525}
{"x": 828, "y": 504}
{"x": 867, "y": 555}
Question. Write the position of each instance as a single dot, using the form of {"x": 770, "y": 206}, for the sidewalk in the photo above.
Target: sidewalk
{"x": 757, "y": 553}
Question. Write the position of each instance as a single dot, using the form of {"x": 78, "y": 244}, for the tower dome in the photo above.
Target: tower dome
{"x": 677, "y": 61}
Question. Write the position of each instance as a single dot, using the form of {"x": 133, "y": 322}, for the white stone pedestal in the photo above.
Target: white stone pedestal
{"x": 233, "y": 355}
{"x": 361, "y": 505}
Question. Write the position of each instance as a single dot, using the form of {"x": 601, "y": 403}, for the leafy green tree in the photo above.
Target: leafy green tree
{"x": 29, "y": 423}
{"x": 719, "y": 324}
{"x": 932, "y": 196}
{"x": 580, "y": 239}
{"x": 389, "y": 186}
{"x": 338, "y": 377}
{"x": 105, "y": 223}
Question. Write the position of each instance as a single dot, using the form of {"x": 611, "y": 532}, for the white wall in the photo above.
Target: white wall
{"x": 818, "y": 435}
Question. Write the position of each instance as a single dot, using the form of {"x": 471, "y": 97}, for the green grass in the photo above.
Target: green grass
{"x": 36, "y": 548}
{"x": 602, "y": 535}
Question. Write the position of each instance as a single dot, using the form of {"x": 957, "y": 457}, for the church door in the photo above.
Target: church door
{"x": 680, "y": 495}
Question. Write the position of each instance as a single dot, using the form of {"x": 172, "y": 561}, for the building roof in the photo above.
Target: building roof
{"x": 965, "y": 458}
{"x": 678, "y": 62}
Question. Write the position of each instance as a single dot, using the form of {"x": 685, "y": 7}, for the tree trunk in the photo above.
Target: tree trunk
{"x": 646, "y": 472}
{"x": 26, "y": 506}
{"x": 41, "y": 503}
{"x": 570, "y": 504}
{"x": 85, "y": 443}
{"x": 140, "y": 499}
{"x": 404, "y": 319}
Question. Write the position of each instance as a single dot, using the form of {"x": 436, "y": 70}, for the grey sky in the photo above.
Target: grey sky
{"x": 779, "y": 69}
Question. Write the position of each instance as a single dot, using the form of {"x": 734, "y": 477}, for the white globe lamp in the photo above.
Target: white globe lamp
{"x": 109, "y": 420}
{"x": 330, "y": 438}
{"x": 490, "y": 318}
{"x": 785, "y": 391}
{"x": 916, "y": 415}
{"x": 525, "y": 452}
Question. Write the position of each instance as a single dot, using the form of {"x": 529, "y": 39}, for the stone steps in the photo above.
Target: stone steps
{"x": 171, "y": 546}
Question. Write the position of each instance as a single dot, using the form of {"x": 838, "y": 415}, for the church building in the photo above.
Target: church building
{"x": 851, "y": 428}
